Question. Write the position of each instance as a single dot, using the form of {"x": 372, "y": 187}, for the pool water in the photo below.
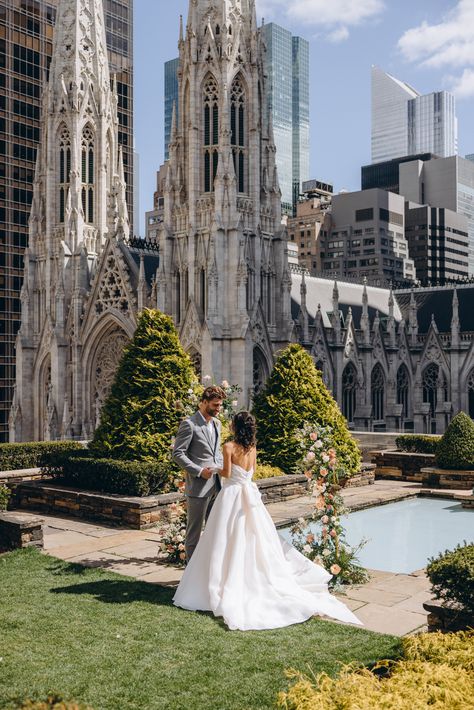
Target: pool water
{"x": 401, "y": 537}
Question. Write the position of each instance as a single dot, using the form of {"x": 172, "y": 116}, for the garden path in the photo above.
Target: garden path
{"x": 389, "y": 603}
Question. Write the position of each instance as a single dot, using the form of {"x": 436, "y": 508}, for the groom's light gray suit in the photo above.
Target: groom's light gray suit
{"x": 198, "y": 446}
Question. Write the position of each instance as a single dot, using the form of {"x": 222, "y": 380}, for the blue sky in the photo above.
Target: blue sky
{"x": 427, "y": 43}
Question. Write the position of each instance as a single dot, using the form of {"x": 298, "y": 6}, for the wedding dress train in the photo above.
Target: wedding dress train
{"x": 245, "y": 572}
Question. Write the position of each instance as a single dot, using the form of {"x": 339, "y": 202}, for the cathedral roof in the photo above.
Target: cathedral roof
{"x": 320, "y": 291}
{"x": 151, "y": 260}
{"x": 437, "y": 301}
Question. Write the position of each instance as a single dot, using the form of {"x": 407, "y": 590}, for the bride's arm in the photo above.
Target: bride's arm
{"x": 227, "y": 452}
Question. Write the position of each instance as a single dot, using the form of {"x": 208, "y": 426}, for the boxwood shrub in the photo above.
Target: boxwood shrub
{"x": 133, "y": 478}
{"x": 418, "y": 443}
{"x": 452, "y": 577}
{"x": 31, "y": 455}
{"x": 456, "y": 448}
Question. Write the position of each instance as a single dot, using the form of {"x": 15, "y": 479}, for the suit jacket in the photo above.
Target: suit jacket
{"x": 195, "y": 449}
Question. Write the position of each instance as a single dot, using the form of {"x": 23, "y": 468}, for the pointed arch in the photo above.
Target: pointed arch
{"x": 64, "y": 168}
{"x": 349, "y": 387}
{"x": 378, "y": 393}
{"x": 430, "y": 386}
{"x": 196, "y": 361}
{"x": 261, "y": 371}
{"x": 239, "y": 131}
{"x": 403, "y": 391}
{"x": 210, "y": 94}
{"x": 88, "y": 170}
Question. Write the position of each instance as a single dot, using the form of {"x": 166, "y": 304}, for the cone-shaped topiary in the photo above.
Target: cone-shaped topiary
{"x": 295, "y": 394}
{"x": 456, "y": 448}
{"x": 140, "y": 416}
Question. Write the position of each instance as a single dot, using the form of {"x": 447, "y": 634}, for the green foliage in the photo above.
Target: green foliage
{"x": 5, "y": 494}
{"x": 436, "y": 672}
{"x": 141, "y": 416}
{"x": 418, "y": 443}
{"x": 265, "y": 471}
{"x": 133, "y": 478}
{"x": 31, "y": 455}
{"x": 456, "y": 448}
{"x": 452, "y": 577}
{"x": 295, "y": 394}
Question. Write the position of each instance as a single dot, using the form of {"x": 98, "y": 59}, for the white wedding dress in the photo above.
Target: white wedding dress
{"x": 245, "y": 572}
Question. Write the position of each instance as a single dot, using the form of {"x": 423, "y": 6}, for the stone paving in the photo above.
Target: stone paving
{"x": 389, "y": 603}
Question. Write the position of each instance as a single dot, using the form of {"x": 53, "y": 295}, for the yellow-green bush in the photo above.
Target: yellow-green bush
{"x": 436, "y": 672}
{"x": 264, "y": 471}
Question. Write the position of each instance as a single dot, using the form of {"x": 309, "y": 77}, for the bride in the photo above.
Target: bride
{"x": 242, "y": 569}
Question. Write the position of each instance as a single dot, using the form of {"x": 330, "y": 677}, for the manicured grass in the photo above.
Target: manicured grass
{"x": 118, "y": 644}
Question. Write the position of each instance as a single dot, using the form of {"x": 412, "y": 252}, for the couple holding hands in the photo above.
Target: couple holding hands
{"x": 239, "y": 567}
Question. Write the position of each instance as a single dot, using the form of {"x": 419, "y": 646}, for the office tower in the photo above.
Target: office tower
{"x": 446, "y": 183}
{"x": 386, "y": 175}
{"x": 26, "y": 30}
{"x": 404, "y": 122}
{"x": 287, "y": 67}
{"x": 171, "y": 98}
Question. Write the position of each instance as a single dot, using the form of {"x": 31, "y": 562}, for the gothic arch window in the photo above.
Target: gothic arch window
{"x": 470, "y": 391}
{"x": 211, "y": 132}
{"x": 260, "y": 370}
{"x": 238, "y": 131}
{"x": 378, "y": 393}
{"x": 430, "y": 387}
{"x": 88, "y": 174}
{"x": 108, "y": 355}
{"x": 64, "y": 169}
{"x": 403, "y": 391}
{"x": 349, "y": 384}
{"x": 196, "y": 361}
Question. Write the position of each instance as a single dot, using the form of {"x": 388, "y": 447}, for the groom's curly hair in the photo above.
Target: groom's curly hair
{"x": 245, "y": 430}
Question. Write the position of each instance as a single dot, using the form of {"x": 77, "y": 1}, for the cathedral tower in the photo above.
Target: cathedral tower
{"x": 78, "y": 199}
{"x": 224, "y": 272}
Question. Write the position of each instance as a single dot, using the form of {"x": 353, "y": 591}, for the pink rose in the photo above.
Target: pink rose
{"x": 333, "y": 534}
{"x": 310, "y": 538}
{"x": 335, "y": 569}
{"x": 310, "y": 456}
{"x": 324, "y": 532}
{"x": 225, "y": 384}
{"x": 323, "y": 472}
{"x": 313, "y": 436}
{"x": 325, "y": 520}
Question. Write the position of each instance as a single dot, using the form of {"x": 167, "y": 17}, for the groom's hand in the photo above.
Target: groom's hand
{"x": 206, "y": 473}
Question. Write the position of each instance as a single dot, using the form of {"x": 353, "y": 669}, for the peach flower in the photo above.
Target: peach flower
{"x": 310, "y": 538}
{"x": 313, "y": 436}
{"x": 335, "y": 569}
{"x": 325, "y": 520}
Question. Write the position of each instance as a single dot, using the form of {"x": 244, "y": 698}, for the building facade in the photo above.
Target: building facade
{"x": 404, "y": 122}
{"x": 217, "y": 261}
{"x": 286, "y": 62}
{"x": 312, "y": 223}
{"x": 171, "y": 99}
{"x": 26, "y": 33}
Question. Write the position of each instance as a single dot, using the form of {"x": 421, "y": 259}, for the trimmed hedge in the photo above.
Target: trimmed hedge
{"x": 264, "y": 471}
{"x": 418, "y": 443}
{"x": 456, "y": 448}
{"x": 452, "y": 577}
{"x": 293, "y": 395}
{"x": 133, "y": 478}
{"x": 435, "y": 672}
{"x": 31, "y": 455}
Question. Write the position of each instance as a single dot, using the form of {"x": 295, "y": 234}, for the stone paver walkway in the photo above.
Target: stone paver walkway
{"x": 389, "y": 603}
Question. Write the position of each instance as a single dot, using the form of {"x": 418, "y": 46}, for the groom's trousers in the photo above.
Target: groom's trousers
{"x": 198, "y": 510}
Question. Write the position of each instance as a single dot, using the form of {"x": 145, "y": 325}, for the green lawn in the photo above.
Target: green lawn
{"x": 119, "y": 644}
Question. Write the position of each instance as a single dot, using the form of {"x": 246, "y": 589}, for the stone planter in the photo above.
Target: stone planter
{"x": 366, "y": 477}
{"x": 401, "y": 465}
{"x": 444, "y": 478}
{"x": 442, "y": 618}
{"x": 18, "y": 531}
{"x": 130, "y": 511}
{"x": 467, "y": 501}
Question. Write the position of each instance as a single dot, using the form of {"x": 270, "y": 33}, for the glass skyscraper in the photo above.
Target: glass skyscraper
{"x": 171, "y": 98}
{"x": 404, "y": 122}
{"x": 287, "y": 68}
{"x": 26, "y": 33}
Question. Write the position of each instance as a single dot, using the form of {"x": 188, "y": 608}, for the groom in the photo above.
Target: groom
{"x": 197, "y": 450}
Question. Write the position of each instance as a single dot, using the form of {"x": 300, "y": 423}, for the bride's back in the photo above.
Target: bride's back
{"x": 246, "y": 459}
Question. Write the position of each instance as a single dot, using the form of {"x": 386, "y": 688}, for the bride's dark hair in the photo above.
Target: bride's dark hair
{"x": 244, "y": 427}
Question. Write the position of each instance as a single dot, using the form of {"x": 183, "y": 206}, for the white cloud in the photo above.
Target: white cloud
{"x": 337, "y": 16}
{"x": 463, "y": 86}
{"x": 447, "y": 44}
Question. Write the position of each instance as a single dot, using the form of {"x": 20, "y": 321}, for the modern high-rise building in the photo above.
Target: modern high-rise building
{"x": 26, "y": 31}
{"x": 287, "y": 67}
{"x": 404, "y": 122}
{"x": 171, "y": 99}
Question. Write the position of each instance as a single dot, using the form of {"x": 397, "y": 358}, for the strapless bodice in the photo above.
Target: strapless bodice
{"x": 238, "y": 476}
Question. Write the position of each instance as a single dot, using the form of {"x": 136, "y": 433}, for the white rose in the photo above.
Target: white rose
{"x": 318, "y": 444}
{"x": 307, "y": 548}
{"x": 206, "y": 378}
{"x": 326, "y": 553}
{"x": 234, "y": 402}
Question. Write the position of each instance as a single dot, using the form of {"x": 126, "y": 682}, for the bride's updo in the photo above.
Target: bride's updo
{"x": 244, "y": 427}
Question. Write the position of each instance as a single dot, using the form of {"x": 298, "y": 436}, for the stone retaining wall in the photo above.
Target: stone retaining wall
{"x": 401, "y": 465}
{"x": 13, "y": 478}
{"x": 17, "y": 531}
{"x": 444, "y": 478}
{"x": 133, "y": 512}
